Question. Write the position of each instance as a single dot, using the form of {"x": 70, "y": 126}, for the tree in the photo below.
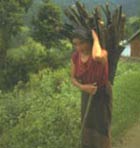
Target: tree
{"x": 26, "y": 4}
{"x": 11, "y": 19}
{"x": 47, "y": 24}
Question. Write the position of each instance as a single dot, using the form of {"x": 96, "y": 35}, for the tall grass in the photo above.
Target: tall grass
{"x": 126, "y": 110}
{"x": 45, "y": 113}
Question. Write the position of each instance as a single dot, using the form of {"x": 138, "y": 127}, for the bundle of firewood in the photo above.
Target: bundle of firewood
{"x": 108, "y": 23}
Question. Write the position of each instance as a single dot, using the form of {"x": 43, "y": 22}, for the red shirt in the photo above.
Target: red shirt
{"x": 90, "y": 71}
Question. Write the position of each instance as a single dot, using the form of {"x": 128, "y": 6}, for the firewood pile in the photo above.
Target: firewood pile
{"x": 109, "y": 25}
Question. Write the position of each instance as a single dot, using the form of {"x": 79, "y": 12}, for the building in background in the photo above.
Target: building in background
{"x": 132, "y": 49}
{"x": 127, "y": 51}
{"x": 135, "y": 47}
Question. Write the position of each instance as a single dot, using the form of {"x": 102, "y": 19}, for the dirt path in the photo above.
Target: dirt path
{"x": 131, "y": 139}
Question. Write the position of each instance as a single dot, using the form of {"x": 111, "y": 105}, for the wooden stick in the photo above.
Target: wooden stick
{"x": 81, "y": 9}
{"x": 85, "y": 117}
{"x": 70, "y": 15}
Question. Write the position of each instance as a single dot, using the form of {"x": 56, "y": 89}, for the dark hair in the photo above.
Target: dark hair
{"x": 82, "y": 34}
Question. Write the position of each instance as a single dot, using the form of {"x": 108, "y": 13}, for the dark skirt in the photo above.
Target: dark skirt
{"x": 97, "y": 128}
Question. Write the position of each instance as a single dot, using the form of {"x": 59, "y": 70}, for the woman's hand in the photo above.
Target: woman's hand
{"x": 89, "y": 88}
{"x": 96, "y": 49}
{"x": 103, "y": 57}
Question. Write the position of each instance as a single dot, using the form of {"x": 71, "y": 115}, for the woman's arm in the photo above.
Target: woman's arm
{"x": 91, "y": 89}
{"x": 98, "y": 53}
{"x": 73, "y": 79}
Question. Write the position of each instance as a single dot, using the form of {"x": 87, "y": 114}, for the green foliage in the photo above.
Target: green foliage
{"x": 26, "y": 4}
{"x": 31, "y": 51}
{"x": 11, "y": 19}
{"x": 46, "y": 111}
{"x": 21, "y": 37}
{"x": 124, "y": 68}
{"x": 126, "y": 102}
{"x": 47, "y": 24}
{"x": 30, "y": 57}
{"x": 10, "y": 16}
{"x": 48, "y": 118}
{"x": 21, "y": 61}
{"x": 32, "y": 12}
{"x": 133, "y": 24}
{"x": 59, "y": 56}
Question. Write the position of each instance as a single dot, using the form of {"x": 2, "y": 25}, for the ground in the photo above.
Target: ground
{"x": 131, "y": 138}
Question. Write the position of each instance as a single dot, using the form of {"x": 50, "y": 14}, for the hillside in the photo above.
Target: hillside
{"x": 130, "y": 7}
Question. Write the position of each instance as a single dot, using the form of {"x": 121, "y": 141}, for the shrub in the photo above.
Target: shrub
{"x": 20, "y": 62}
{"x": 45, "y": 113}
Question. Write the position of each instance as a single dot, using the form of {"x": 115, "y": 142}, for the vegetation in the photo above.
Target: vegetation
{"x": 46, "y": 111}
{"x": 11, "y": 19}
{"x": 39, "y": 107}
{"x": 47, "y": 24}
{"x": 133, "y": 24}
{"x": 126, "y": 97}
{"x": 33, "y": 51}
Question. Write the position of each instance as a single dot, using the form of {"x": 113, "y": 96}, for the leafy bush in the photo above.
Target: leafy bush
{"x": 126, "y": 97}
{"x": 31, "y": 57}
{"x": 59, "y": 57}
{"x": 49, "y": 115}
{"x": 45, "y": 113}
{"x": 20, "y": 62}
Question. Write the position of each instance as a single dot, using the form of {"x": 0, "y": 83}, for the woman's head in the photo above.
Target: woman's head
{"x": 82, "y": 39}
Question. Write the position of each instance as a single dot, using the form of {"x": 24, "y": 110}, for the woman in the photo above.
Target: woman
{"x": 89, "y": 72}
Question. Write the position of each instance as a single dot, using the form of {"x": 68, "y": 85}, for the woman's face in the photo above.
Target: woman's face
{"x": 81, "y": 45}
